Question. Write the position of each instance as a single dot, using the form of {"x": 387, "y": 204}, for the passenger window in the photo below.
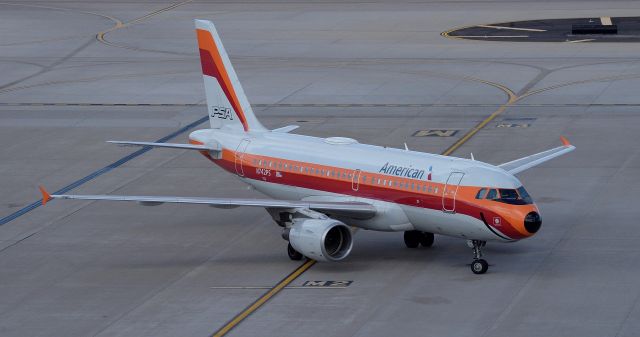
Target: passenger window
{"x": 481, "y": 193}
{"x": 493, "y": 194}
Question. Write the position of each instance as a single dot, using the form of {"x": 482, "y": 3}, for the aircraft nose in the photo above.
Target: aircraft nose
{"x": 532, "y": 222}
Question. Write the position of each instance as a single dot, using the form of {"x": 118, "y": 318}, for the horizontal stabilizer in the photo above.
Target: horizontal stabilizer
{"x": 519, "y": 165}
{"x": 286, "y": 129}
{"x": 198, "y": 147}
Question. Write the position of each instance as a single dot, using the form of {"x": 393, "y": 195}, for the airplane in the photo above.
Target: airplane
{"x": 322, "y": 189}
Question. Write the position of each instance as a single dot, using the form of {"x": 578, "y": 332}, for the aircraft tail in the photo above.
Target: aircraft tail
{"x": 226, "y": 102}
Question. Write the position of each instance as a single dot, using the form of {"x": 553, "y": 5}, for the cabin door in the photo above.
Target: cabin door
{"x": 239, "y": 156}
{"x": 450, "y": 190}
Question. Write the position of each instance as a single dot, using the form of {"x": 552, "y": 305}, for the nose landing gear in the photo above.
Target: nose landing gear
{"x": 479, "y": 265}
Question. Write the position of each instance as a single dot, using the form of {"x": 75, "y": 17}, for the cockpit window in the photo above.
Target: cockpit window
{"x": 525, "y": 195}
{"x": 481, "y": 193}
{"x": 509, "y": 196}
{"x": 493, "y": 194}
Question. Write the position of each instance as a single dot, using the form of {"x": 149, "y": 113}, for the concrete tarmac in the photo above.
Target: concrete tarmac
{"x": 375, "y": 71}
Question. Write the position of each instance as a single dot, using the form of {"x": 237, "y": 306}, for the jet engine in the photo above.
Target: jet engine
{"x": 320, "y": 239}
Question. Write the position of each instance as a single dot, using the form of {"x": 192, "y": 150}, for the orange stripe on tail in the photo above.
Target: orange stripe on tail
{"x": 212, "y": 65}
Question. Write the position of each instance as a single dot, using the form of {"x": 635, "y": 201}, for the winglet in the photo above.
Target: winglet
{"x": 45, "y": 195}
{"x": 564, "y": 141}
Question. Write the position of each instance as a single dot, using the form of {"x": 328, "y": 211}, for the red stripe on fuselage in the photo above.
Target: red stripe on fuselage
{"x": 366, "y": 189}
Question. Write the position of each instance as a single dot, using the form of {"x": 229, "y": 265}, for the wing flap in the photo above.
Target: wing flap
{"x": 519, "y": 165}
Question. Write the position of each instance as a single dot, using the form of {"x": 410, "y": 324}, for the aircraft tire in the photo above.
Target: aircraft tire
{"x": 412, "y": 239}
{"x": 479, "y": 266}
{"x": 293, "y": 254}
{"x": 426, "y": 239}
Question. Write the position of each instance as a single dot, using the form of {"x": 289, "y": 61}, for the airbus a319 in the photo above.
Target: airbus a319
{"x": 322, "y": 188}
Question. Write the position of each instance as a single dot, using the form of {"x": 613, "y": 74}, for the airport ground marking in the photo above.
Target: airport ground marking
{"x": 313, "y": 105}
{"x": 263, "y": 299}
{"x": 435, "y": 133}
{"x": 100, "y": 36}
{"x": 101, "y": 171}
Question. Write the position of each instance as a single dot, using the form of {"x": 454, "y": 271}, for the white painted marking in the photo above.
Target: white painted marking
{"x": 490, "y": 36}
{"x": 513, "y": 28}
{"x": 577, "y": 41}
{"x": 606, "y": 21}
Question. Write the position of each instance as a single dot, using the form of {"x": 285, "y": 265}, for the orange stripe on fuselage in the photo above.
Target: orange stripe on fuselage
{"x": 400, "y": 190}
{"x": 212, "y": 65}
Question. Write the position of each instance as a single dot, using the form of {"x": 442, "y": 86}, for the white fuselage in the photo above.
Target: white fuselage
{"x": 411, "y": 190}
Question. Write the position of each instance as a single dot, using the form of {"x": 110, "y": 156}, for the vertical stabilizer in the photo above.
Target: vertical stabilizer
{"x": 226, "y": 102}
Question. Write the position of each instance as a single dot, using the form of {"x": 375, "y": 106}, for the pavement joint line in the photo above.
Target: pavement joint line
{"x": 263, "y": 299}
{"x": 313, "y": 105}
{"x": 101, "y": 171}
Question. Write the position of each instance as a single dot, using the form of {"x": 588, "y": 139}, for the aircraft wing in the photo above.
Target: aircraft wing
{"x": 519, "y": 165}
{"x": 353, "y": 209}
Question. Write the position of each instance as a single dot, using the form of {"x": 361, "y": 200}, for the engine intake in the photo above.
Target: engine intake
{"x": 321, "y": 240}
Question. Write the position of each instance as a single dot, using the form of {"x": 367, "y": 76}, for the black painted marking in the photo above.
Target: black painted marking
{"x": 327, "y": 284}
{"x": 491, "y": 229}
{"x": 435, "y": 133}
{"x": 552, "y": 30}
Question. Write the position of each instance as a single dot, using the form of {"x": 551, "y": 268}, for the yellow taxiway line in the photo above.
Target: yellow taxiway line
{"x": 263, "y": 299}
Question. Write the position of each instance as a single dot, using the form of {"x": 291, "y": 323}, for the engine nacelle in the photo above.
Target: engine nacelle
{"x": 321, "y": 240}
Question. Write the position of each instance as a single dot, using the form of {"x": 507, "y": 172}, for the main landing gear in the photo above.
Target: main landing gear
{"x": 479, "y": 265}
{"x": 293, "y": 254}
{"x": 415, "y": 238}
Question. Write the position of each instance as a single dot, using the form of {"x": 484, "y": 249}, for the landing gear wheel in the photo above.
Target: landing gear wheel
{"x": 412, "y": 239}
{"x": 479, "y": 266}
{"x": 426, "y": 239}
{"x": 293, "y": 254}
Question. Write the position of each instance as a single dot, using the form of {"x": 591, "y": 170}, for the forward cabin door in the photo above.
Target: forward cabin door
{"x": 239, "y": 156}
{"x": 450, "y": 190}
